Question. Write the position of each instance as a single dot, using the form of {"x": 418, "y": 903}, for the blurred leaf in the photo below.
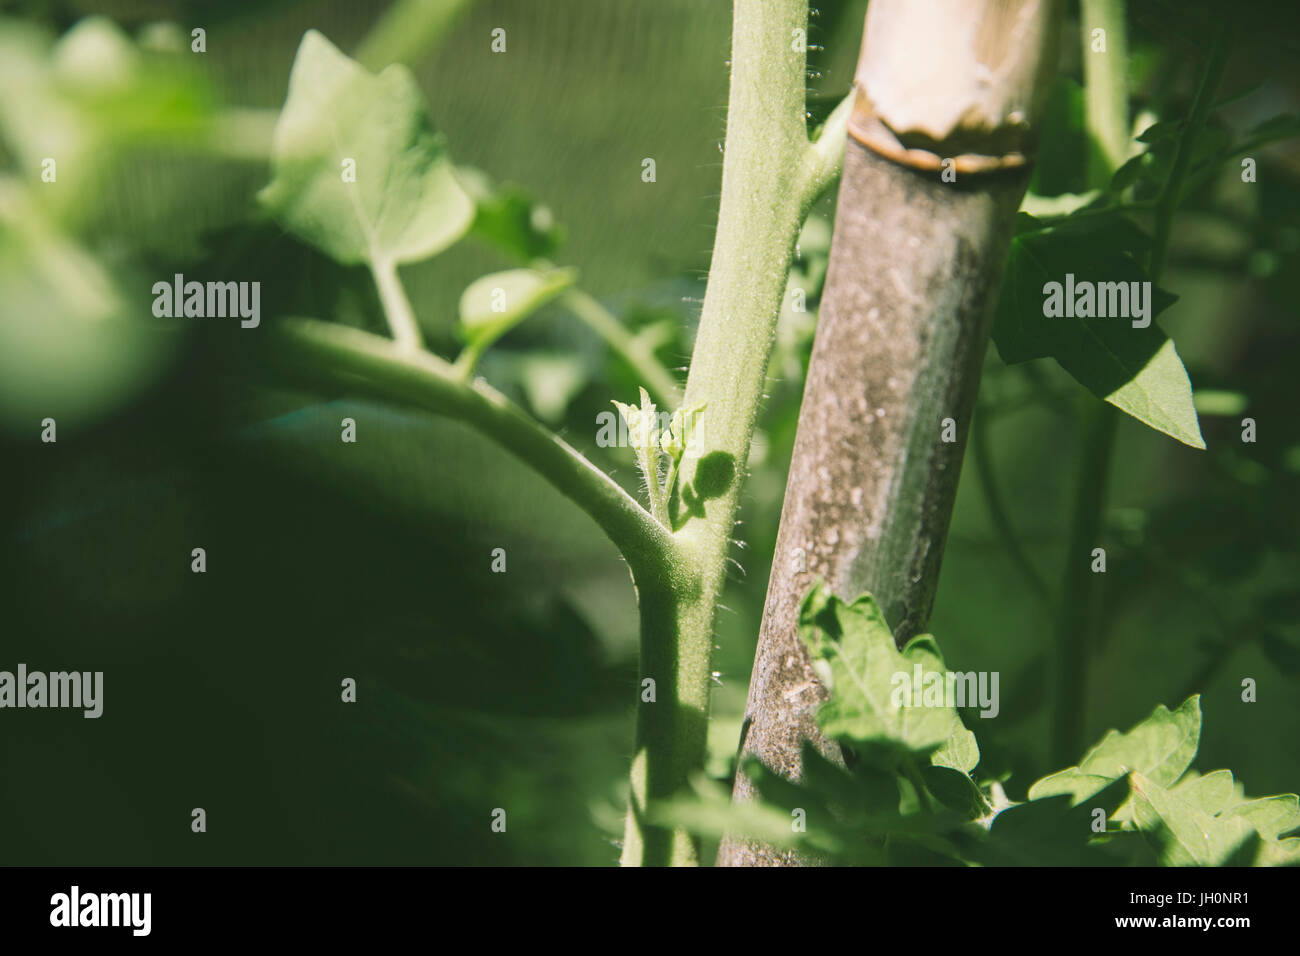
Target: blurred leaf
{"x": 1281, "y": 127}
{"x": 1284, "y": 654}
{"x": 1159, "y": 131}
{"x": 83, "y": 100}
{"x": 69, "y": 347}
{"x": 494, "y": 304}
{"x": 711, "y": 812}
{"x": 510, "y": 218}
{"x": 406, "y": 203}
{"x": 1128, "y": 173}
{"x": 549, "y": 380}
{"x": 1062, "y": 205}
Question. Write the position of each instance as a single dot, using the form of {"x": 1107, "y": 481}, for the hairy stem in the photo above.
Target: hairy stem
{"x": 770, "y": 176}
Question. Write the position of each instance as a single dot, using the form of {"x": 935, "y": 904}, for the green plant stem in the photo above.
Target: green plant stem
{"x": 1078, "y": 596}
{"x": 824, "y": 160}
{"x": 1172, "y": 191}
{"x": 397, "y": 308}
{"x": 244, "y": 134}
{"x": 913, "y": 775}
{"x": 1078, "y": 588}
{"x": 1106, "y": 89}
{"x": 998, "y": 512}
{"x": 1108, "y": 125}
{"x": 657, "y": 380}
{"x": 408, "y": 30}
{"x": 771, "y": 175}
{"x": 339, "y": 353}
{"x": 649, "y": 458}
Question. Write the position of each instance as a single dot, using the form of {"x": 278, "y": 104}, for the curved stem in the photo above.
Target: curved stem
{"x": 342, "y": 353}
{"x": 824, "y": 157}
{"x": 657, "y": 380}
{"x": 998, "y": 512}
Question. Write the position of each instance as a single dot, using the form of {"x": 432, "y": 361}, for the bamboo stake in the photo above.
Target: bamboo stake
{"x": 944, "y": 126}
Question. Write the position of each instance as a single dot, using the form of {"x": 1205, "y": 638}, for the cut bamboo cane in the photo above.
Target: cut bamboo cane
{"x": 915, "y": 267}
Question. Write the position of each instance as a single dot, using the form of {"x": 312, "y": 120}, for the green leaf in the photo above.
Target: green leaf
{"x": 871, "y": 704}
{"x": 1056, "y": 831}
{"x": 1062, "y": 205}
{"x": 710, "y": 812}
{"x": 507, "y": 216}
{"x": 956, "y": 791}
{"x": 1160, "y": 748}
{"x": 1271, "y": 816}
{"x": 1160, "y": 395}
{"x": 1184, "y": 834}
{"x": 1127, "y": 174}
{"x": 1136, "y": 369}
{"x": 72, "y": 344}
{"x": 1284, "y": 126}
{"x": 551, "y": 381}
{"x": 1210, "y": 793}
{"x": 494, "y": 304}
{"x": 406, "y": 203}
{"x": 1284, "y": 655}
{"x": 86, "y": 100}
{"x": 1156, "y": 132}
{"x": 959, "y": 752}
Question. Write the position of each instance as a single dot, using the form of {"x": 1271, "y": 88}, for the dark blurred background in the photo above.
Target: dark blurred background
{"x": 373, "y": 560}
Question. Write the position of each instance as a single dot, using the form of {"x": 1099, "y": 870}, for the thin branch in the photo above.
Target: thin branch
{"x": 1108, "y": 126}
{"x": 397, "y": 308}
{"x": 998, "y": 512}
{"x": 341, "y": 353}
{"x": 1076, "y": 614}
{"x": 1172, "y": 191}
{"x": 1077, "y": 597}
{"x": 408, "y": 31}
{"x": 824, "y": 157}
{"x": 657, "y": 380}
